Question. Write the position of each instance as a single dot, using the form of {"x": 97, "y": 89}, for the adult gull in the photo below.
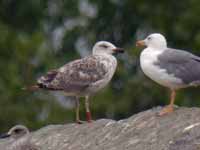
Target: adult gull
{"x": 172, "y": 68}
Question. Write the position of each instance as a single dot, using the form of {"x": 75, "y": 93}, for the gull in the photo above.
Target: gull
{"x": 169, "y": 67}
{"x": 83, "y": 77}
{"x": 17, "y": 138}
{"x": 16, "y": 132}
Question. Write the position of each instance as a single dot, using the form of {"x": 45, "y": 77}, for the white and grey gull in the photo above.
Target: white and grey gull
{"x": 83, "y": 77}
{"x": 172, "y": 68}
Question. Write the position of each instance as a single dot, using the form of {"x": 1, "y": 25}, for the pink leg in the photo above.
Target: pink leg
{"x": 88, "y": 113}
{"x": 77, "y": 112}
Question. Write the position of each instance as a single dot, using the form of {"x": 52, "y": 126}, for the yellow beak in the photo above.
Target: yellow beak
{"x": 140, "y": 43}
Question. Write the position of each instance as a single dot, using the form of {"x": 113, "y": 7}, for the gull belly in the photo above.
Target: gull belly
{"x": 147, "y": 61}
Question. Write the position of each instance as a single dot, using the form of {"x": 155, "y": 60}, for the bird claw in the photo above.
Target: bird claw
{"x": 166, "y": 110}
{"x": 80, "y": 122}
{"x": 90, "y": 121}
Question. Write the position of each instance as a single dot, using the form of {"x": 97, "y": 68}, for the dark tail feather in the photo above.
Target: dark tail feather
{"x": 31, "y": 88}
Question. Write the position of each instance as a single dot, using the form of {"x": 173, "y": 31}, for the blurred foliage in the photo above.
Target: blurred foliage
{"x": 37, "y": 35}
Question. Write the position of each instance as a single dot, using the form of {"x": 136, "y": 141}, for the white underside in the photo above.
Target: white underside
{"x": 147, "y": 59}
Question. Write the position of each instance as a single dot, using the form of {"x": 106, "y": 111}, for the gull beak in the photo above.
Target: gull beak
{"x": 5, "y": 135}
{"x": 118, "y": 50}
{"x": 140, "y": 43}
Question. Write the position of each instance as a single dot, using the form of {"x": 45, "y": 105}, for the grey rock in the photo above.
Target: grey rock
{"x": 143, "y": 131}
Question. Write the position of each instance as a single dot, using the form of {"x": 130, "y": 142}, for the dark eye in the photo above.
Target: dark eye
{"x": 17, "y": 130}
{"x": 104, "y": 46}
{"x": 149, "y": 38}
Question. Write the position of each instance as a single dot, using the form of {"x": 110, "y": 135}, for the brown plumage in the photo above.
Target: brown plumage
{"x": 82, "y": 77}
{"x": 31, "y": 88}
{"x": 75, "y": 76}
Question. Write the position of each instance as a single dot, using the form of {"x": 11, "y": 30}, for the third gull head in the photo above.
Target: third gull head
{"x": 16, "y": 132}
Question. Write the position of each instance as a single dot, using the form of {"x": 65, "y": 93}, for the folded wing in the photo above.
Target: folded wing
{"x": 181, "y": 64}
{"x": 75, "y": 76}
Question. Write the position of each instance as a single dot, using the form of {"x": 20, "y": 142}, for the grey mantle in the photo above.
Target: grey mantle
{"x": 143, "y": 131}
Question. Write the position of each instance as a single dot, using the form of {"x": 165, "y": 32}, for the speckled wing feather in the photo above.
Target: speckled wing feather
{"x": 181, "y": 64}
{"x": 76, "y": 75}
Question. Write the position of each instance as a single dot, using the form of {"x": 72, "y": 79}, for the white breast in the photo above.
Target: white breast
{"x": 147, "y": 59}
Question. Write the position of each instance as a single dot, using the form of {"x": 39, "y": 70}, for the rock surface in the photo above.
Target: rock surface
{"x": 143, "y": 131}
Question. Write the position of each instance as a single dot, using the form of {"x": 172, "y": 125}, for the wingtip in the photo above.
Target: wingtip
{"x": 31, "y": 88}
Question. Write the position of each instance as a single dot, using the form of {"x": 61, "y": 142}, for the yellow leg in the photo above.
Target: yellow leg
{"x": 170, "y": 108}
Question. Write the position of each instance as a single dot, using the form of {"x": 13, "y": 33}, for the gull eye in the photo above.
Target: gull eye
{"x": 149, "y": 38}
{"x": 17, "y": 130}
{"x": 104, "y": 46}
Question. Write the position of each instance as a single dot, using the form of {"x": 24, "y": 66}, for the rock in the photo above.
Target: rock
{"x": 143, "y": 131}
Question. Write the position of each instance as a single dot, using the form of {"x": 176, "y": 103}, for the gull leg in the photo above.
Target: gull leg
{"x": 88, "y": 113}
{"x": 77, "y": 111}
{"x": 170, "y": 108}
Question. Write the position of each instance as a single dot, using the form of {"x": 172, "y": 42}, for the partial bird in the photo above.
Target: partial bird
{"x": 169, "y": 67}
{"x": 83, "y": 77}
{"x": 17, "y": 138}
{"x": 16, "y": 132}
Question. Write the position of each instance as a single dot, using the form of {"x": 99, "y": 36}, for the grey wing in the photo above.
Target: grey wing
{"x": 181, "y": 64}
{"x": 78, "y": 75}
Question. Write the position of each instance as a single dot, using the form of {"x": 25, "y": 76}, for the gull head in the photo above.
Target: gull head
{"x": 16, "y": 132}
{"x": 155, "y": 40}
{"x": 104, "y": 47}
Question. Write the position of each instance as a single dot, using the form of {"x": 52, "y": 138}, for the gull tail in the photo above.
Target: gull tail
{"x": 31, "y": 88}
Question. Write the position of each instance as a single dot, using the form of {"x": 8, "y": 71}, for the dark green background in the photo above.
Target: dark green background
{"x": 38, "y": 35}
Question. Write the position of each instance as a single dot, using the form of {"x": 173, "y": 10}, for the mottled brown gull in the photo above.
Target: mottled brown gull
{"x": 17, "y": 138}
{"x": 168, "y": 67}
{"x": 83, "y": 77}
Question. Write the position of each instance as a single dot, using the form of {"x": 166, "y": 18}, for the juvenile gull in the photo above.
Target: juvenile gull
{"x": 172, "y": 68}
{"x": 18, "y": 138}
{"x": 83, "y": 77}
{"x": 16, "y": 132}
